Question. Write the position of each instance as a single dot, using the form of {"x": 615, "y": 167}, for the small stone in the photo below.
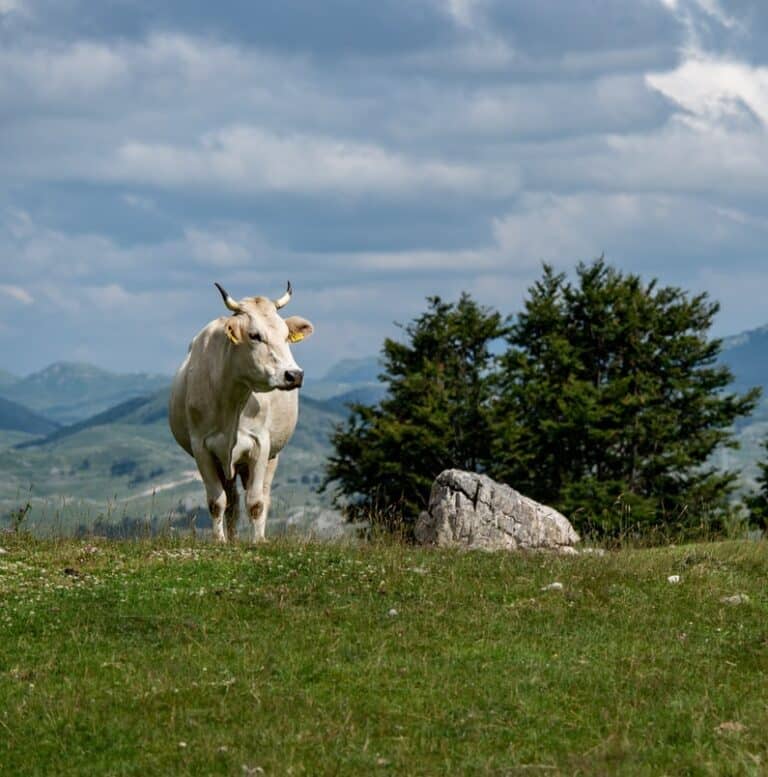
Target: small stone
{"x": 3, "y": 551}
{"x": 182, "y": 744}
{"x": 674, "y": 579}
{"x": 553, "y": 587}
{"x": 731, "y": 727}
{"x": 392, "y": 613}
{"x": 735, "y": 599}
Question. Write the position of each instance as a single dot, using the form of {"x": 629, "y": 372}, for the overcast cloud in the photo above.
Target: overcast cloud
{"x": 372, "y": 153}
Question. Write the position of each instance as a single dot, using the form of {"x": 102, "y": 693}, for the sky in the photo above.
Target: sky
{"x": 372, "y": 153}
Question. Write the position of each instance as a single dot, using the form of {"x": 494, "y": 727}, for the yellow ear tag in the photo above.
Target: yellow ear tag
{"x": 295, "y": 337}
{"x": 231, "y": 335}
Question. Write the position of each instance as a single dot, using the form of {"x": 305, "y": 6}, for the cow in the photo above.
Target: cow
{"x": 234, "y": 405}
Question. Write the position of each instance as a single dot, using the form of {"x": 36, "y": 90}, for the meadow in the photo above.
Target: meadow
{"x": 307, "y": 658}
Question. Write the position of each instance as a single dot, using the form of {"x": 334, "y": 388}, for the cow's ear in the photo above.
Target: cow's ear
{"x": 233, "y": 330}
{"x": 298, "y": 328}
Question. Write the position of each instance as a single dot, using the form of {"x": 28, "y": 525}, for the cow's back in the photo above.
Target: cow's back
{"x": 177, "y": 408}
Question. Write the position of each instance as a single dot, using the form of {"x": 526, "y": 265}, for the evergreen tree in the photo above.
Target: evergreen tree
{"x": 436, "y": 414}
{"x": 757, "y": 503}
{"x": 611, "y": 401}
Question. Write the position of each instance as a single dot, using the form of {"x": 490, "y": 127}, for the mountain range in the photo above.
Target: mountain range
{"x": 82, "y": 444}
{"x": 67, "y": 392}
{"x": 76, "y": 467}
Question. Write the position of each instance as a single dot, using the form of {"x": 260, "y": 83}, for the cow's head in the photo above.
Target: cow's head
{"x": 261, "y": 341}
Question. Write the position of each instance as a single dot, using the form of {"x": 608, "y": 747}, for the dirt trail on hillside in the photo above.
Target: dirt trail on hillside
{"x": 190, "y": 476}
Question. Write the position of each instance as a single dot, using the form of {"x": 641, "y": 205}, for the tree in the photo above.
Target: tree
{"x": 436, "y": 414}
{"x": 757, "y": 503}
{"x": 611, "y": 402}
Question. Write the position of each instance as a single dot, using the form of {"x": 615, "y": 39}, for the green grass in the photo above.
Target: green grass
{"x": 165, "y": 658}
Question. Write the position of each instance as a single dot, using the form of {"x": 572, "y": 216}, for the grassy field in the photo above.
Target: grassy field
{"x": 308, "y": 658}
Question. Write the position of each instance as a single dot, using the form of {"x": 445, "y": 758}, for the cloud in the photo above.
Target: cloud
{"x": 250, "y": 159}
{"x": 17, "y": 293}
{"x": 374, "y": 154}
{"x": 463, "y": 12}
{"x": 629, "y": 228}
{"x": 227, "y": 247}
{"x": 10, "y": 6}
{"x": 37, "y": 254}
{"x": 131, "y": 113}
{"x": 686, "y": 10}
{"x": 714, "y": 89}
{"x": 396, "y": 262}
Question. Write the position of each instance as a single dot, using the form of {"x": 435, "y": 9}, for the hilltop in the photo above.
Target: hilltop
{"x": 17, "y": 418}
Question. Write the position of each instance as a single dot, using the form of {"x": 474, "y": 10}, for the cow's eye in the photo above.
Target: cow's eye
{"x": 256, "y": 336}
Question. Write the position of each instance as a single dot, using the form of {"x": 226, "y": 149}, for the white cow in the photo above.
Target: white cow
{"x": 225, "y": 409}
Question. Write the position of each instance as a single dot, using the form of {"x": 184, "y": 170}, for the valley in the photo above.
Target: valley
{"x": 88, "y": 448}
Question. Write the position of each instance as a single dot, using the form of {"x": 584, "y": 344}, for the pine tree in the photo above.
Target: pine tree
{"x": 436, "y": 414}
{"x": 611, "y": 401}
{"x": 757, "y": 503}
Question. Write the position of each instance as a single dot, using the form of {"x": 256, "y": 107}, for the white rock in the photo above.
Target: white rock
{"x": 553, "y": 587}
{"x": 473, "y": 511}
{"x": 3, "y": 551}
{"x": 673, "y": 579}
{"x": 735, "y": 599}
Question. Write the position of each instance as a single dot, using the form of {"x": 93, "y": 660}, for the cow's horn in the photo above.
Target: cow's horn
{"x": 285, "y": 299}
{"x": 228, "y": 301}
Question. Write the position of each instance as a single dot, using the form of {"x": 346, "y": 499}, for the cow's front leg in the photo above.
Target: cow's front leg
{"x": 214, "y": 488}
{"x": 254, "y": 492}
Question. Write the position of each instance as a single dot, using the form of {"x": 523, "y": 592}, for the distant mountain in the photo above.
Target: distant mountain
{"x": 69, "y": 392}
{"x": 364, "y": 395}
{"x": 346, "y": 376}
{"x": 17, "y": 418}
{"x": 139, "y": 410}
{"x": 365, "y": 370}
{"x": 7, "y": 378}
{"x": 747, "y": 356}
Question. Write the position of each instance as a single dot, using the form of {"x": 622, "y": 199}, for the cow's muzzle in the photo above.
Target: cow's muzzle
{"x": 293, "y": 378}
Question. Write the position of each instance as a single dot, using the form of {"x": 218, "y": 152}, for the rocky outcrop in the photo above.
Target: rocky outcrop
{"x": 473, "y": 511}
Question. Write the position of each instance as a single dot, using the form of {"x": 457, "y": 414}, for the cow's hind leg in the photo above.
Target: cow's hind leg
{"x": 232, "y": 513}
